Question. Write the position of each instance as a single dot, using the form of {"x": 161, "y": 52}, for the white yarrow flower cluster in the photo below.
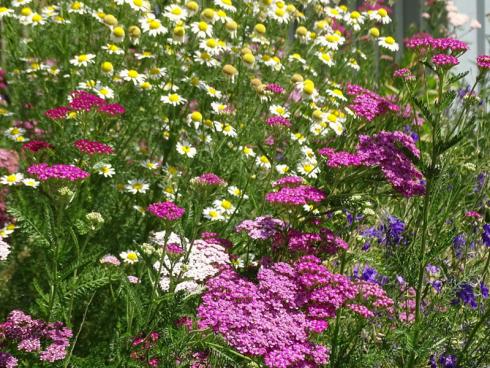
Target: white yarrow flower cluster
{"x": 4, "y": 250}
{"x": 203, "y": 261}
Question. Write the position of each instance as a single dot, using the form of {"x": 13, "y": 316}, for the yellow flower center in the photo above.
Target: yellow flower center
{"x": 76, "y": 5}
{"x": 382, "y": 12}
{"x": 211, "y": 43}
{"x": 37, "y": 18}
{"x": 355, "y": 15}
{"x": 82, "y": 58}
{"x": 12, "y": 178}
{"x": 26, "y": 12}
{"x": 154, "y": 24}
{"x": 226, "y": 204}
{"x": 132, "y": 256}
{"x": 176, "y": 11}
{"x": 133, "y": 73}
{"x": 174, "y": 98}
{"x": 138, "y": 2}
{"x": 390, "y": 40}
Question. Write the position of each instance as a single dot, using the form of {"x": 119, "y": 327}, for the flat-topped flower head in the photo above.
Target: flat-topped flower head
{"x": 208, "y": 179}
{"x": 44, "y": 171}
{"x": 92, "y": 147}
{"x": 166, "y": 210}
{"x": 445, "y": 61}
{"x": 483, "y": 62}
{"x": 296, "y": 196}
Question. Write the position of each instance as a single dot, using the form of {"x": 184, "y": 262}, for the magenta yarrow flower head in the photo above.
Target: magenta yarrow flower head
{"x": 381, "y": 150}
{"x": 262, "y": 228}
{"x": 445, "y": 61}
{"x": 296, "y": 196}
{"x": 483, "y": 62}
{"x": 426, "y": 41}
{"x": 289, "y": 181}
{"x": 208, "y": 179}
{"x": 274, "y": 88}
{"x": 35, "y": 146}
{"x": 403, "y": 73}
{"x": 57, "y": 113}
{"x": 92, "y": 147}
{"x": 112, "y": 109}
{"x": 278, "y": 318}
{"x": 84, "y": 101}
{"x": 278, "y": 121}
{"x": 44, "y": 171}
{"x": 166, "y": 210}
{"x": 31, "y": 335}
{"x": 368, "y": 104}
{"x": 174, "y": 249}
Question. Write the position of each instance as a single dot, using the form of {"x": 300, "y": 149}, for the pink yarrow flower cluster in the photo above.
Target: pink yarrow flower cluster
{"x": 483, "y": 61}
{"x": 166, "y": 210}
{"x": 381, "y": 150}
{"x": 368, "y": 104}
{"x": 275, "y": 88}
{"x": 261, "y": 228}
{"x": 92, "y": 147}
{"x": 49, "y": 340}
{"x": 84, "y": 101}
{"x": 278, "y": 121}
{"x": 35, "y": 146}
{"x": 278, "y": 317}
{"x": 445, "y": 61}
{"x": 44, "y": 171}
{"x": 208, "y": 179}
{"x": 426, "y": 41}
{"x": 296, "y": 196}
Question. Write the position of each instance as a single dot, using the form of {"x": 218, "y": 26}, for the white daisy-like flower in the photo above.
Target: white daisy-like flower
{"x": 104, "y": 92}
{"x": 326, "y": 58}
{"x": 173, "y": 99}
{"x": 352, "y": 63}
{"x": 17, "y": 3}
{"x": 186, "y": 149}
{"x": 332, "y": 41}
{"x": 282, "y": 169}
{"x": 213, "y": 214}
{"x": 202, "y": 29}
{"x": 30, "y": 182}
{"x": 308, "y": 168}
{"x": 132, "y": 75}
{"x": 113, "y": 49}
{"x": 83, "y": 60}
{"x": 247, "y": 151}
{"x": 212, "y": 46}
{"x": 380, "y": 15}
{"x": 296, "y": 57}
{"x": 225, "y": 4}
{"x": 175, "y": 13}
{"x": 78, "y": 7}
{"x": 388, "y": 43}
{"x": 279, "y": 110}
{"x": 153, "y": 26}
{"x": 14, "y": 132}
{"x": 263, "y": 162}
{"x": 5, "y": 12}
{"x": 205, "y": 58}
{"x": 337, "y": 127}
{"x": 135, "y": 186}
{"x": 336, "y": 13}
{"x": 151, "y": 165}
{"x": 336, "y": 93}
{"x": 12, "y": 179}
{"x": 279, "y": 14}
{"x": 140, "y": 5}
{"x": 106, "y": 170}
{"x": 355, "y": 20}
{"x": 224, "y": 206}
{"x": 129, "y": 256}
{"x": 298, "y": 137}
{"x": 236, "y": 192}
{"x": 219, "y": 108}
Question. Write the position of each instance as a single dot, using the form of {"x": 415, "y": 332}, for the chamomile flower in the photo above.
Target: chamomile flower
{"x": 263, "y": 162}
{"x": 380, "y": 15}
{"x": 388, "y": 43}
{"x": 205, "y": 58}
{"x": 129, "y": 256}
{"x": 332, "y": 41}
{"x": 237, "y": 192}
{"x": 337, "y": 127}
{"x": 140, "y": 5}
{"x": 298, "y": 137}
{"x": 224, "y": 206}
{"x": 202, "y": 29}
{"x": 132, "y": 75}
{"x": 14, "y": 132}
{"x": 296, "y": 57}
{"x": 152, "y": 26}
{"x": 144, "y": 55}
{"x": 228, "y": 130}
{"x": 352, "y": 63}
{"x": 17, "y": 3}
{"x": 337, "y": 94}
{"x": 135, "y": 186}
{"x": 212, "y": 46}
{"x": 325, "y": 58}
{"x": 156, "y": 72}
{"x": 83, "y": 60}
{"x": 186, "y": 149}
{"x": 104, "y": 169}
{"x": 218, "y": 108}
{"x": 30, "y": 182}
{"x": 151, "y": 165}
{"x": 354, "y": 19}
{"x": 308, "y": 168}
{"x": 335, "y": 13}
{"x": 279, "y": 13}
{"x": 211, "y": 91}
{"x": 78, "y": 7}
{"x": 247, "y": 151}
{"x": 113, "y": 49}
{"x": 5, "y": 12}
{"x": 104, "y": 92}
{"x": 213, "y": 214}
{"x": 225, "y": 4}
{"x": 12, "y": 179}
{"x": 279, "y": 110}
{"x": 282, "y": 169}
{"x": 175, "y": 13}
{"x": 173, "y": 99}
